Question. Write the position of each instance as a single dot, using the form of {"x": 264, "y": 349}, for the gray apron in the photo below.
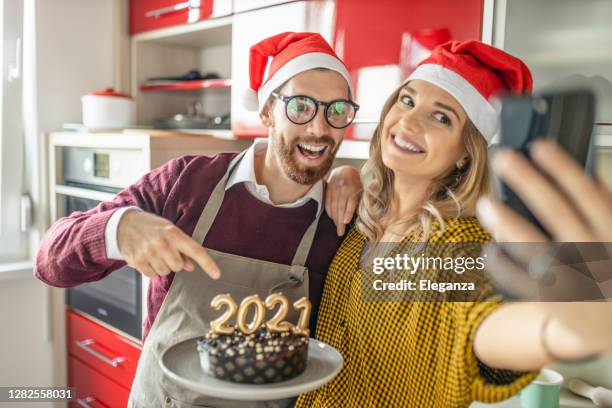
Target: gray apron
{"x": 186, "y": 312}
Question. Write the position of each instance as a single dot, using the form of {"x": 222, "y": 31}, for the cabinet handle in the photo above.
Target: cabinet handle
{"x": 85, "y": 345}
{"x": 85, "y": 402}
{"x": 14, "y": 69}
{"x": 191, "y": 4}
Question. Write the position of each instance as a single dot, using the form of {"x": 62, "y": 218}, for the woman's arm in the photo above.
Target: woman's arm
{"x": 527, "y": 336}
{"x": 573, "y": 207}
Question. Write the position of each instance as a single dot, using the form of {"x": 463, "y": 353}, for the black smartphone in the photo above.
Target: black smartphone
{"x": 567, "y": 116}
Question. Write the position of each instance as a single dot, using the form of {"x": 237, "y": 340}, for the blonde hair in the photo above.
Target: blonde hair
{"x": 451, "y": 195}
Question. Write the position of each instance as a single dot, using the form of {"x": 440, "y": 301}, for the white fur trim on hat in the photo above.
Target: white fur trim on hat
{"x": 249, "y": 100}
{"x": 484, "y": 115}
{"x": 300, "y": 64}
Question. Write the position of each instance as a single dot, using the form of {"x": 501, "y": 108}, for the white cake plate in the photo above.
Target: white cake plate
{"x": 181, "y": 363}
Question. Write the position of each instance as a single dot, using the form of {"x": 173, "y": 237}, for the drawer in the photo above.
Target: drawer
{"x": 93, "y": 389}
{"x": 106, "y": 351}
{"x": 147, "y": 15}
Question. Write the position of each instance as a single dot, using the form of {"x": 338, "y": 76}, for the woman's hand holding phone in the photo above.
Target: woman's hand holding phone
{"x": 573, "y": 207}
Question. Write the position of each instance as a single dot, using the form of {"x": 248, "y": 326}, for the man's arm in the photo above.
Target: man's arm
{"x": 73, "y": 250}
{"x": 342, "y": 196}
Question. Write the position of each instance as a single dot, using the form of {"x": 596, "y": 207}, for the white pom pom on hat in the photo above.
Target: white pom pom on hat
{"x": 249, "y": 100}
{"x": 290, "y": 53}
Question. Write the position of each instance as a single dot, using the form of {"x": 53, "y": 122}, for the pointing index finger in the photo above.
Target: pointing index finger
{"x": 195, "y": 251}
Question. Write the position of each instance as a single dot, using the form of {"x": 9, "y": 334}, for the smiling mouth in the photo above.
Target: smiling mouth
{"x": 312, "y": 151}
{"x": 406, "y": 145}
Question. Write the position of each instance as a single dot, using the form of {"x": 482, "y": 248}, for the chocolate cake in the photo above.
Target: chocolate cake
{"x": 258, "y": 358}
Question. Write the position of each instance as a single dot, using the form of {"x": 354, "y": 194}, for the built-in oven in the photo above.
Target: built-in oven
{"x": 92, "y": 175}
{"x": 116, "y": 299}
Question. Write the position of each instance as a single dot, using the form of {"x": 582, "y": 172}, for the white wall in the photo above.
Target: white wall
{"x": 75, "y": 54}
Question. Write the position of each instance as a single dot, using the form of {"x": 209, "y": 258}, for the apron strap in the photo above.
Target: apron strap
{"x": 211, "y": 209}
{"x": 301, "y": 254}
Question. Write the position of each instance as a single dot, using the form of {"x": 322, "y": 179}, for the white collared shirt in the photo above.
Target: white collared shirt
{"x": 243, "y": 173}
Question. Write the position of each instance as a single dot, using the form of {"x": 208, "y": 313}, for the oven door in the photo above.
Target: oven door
{"x": 115, "y": 300}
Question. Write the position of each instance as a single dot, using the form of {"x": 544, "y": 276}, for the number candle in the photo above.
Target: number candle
{"x": 220, "y": 326}
{"x": 276, "y": 323}
{"x": 258, "y": 318}
{"x": 304, "y": 306}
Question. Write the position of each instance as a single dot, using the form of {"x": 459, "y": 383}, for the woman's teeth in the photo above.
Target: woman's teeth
{"x": 404, "y": 144}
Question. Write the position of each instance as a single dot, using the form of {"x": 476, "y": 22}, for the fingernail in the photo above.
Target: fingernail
{"x": 486, "y": 212}
{"x": 541, "y": 149}
{"x": 501, "y": 160}
{"x": 347, "y": 220}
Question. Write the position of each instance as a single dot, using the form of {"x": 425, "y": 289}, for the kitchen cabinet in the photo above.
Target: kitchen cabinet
{"x": 110, "y": 353}
{"x": 217, "y": 45}
{"x": 248, "y": 5}
{"x": 148, "y": 15}
{"x": 204, "y": 46}
{"x": 370, "y": 33}
{"x": 101, "y": 363}
{"x": 368, "y": 37}
{"x": 364, "y": 34}
{"x": 93, "y": 389}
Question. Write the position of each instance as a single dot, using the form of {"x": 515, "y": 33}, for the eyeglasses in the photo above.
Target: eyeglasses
{"x": 301, "y": 109}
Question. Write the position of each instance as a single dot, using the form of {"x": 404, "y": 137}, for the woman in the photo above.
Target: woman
{"x": 426, "y": 171}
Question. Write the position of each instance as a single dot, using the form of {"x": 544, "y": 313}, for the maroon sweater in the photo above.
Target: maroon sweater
{"x": 73, "y": 250}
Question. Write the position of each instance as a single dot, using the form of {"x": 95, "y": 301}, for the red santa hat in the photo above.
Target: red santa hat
{"x": 290, "y": 53}
{"x": 475, "y": 74}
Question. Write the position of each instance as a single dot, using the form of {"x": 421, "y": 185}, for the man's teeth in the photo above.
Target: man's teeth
{"x": 404, "y": 144}
{"x": 312, "y": 148}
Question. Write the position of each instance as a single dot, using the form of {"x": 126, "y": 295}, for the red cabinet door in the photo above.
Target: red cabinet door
{"x": 93, "y": 389}
{"x": 146, "y": 15}
{"x": 371, "y": 31}
{"x": 108, "y": 352}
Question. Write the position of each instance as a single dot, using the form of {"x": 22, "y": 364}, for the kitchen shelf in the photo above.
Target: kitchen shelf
{"x": 189, "y": 85}
{"x": 211, "y": 32}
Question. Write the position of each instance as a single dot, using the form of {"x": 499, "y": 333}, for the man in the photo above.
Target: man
{"x": 258, "y": 214}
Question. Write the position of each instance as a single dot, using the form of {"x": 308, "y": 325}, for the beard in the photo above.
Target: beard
{"x": 299, "y": 173}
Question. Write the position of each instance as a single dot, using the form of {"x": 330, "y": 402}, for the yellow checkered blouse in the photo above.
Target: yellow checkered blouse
{"x": 405, "y": 354}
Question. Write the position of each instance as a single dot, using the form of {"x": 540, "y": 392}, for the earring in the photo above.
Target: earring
{"x": 458, "y": 178}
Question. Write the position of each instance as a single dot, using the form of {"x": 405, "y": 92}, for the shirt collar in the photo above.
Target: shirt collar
{"x": 245, "y": 173}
